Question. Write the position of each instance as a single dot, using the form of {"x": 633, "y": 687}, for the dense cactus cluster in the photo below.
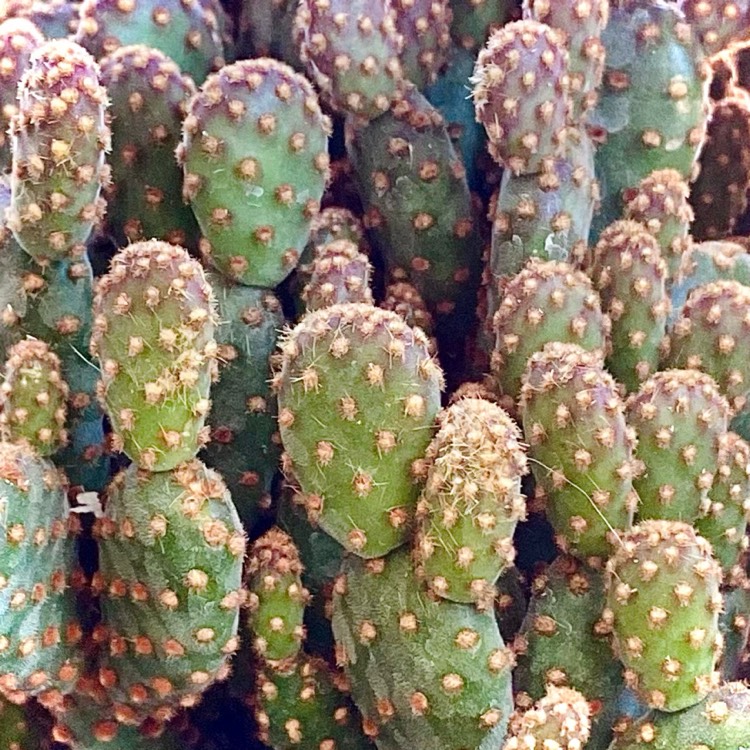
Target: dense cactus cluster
{"x": 374, "y": 374}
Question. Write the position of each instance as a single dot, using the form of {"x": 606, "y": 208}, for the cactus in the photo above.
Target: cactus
{"x": 679, "y": 417}
{"x": 710, "y": 336}
{"x": 719, "y": 196}
{"x": 546, "y": 214}
{"x": 148, "y": 101}
{"x": 521, "y": 94}
{"x": 474, "y": 20}
{"x": 351, "y": 50}
{"x": 565, "y": 643}
{"x": 186, "y": 33}
{"x": 244, "y": 446}
{"x": 17, "y": 732}
{"x": 277, "y": 598}
{"x": 33, "y": 398}
{"x": 545, "y": 302}
{"x": 58, "y": 140}
{"x": 717, "y": 22}
{"x": 581, "y": 25}
{"x": 38, "y": 621}
{"x": 404, "y": 299}
{"x": 424, "y": 673}
{"x": 734, "y": 623}
{"x": 357, "y": 395}
{"x": 652, "y": 102}
{"x": 630, "y": 275}
{"x": 726, "y": 511}
{"x": 562, "y": 719}
{"x": 18, "y": 38}
{"x": 660, "y": 203}
{"x": 425, "y": 27}
{"x": 255, "y": 158}
{"x": 720, "y": 722}
{"x": 663, "y": 603}
{"x": 154, "y": 336}
{"x": 419, "y": 208}
{"x": 340, "y": 273}
{"x": 171, "y": 548}
{"x": 56, "y": 19}
{"x": 471, "y": 502}
{"x": 581, "y": 449}
{"x": 305, "y": 707}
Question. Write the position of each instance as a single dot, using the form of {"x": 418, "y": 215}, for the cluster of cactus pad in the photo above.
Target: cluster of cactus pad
{"x": 375, "y": 374}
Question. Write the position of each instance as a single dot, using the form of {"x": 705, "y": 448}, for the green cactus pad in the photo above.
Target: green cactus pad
{"x": 428, "y": 674}
{"x": 522, "y": 94}
{"x": 565, "y": 643}
{"x": 358, "y": 393}
{"x": 148, "y": 97}
{"x": 277, "y": 597}
{"x": 547, "y": 301}
{"x": 425, "y": 26}
{"x": 474, "y": 20}
{"x": 182, "y": 31}
{"x": 726, "y": 510}
{"x": 351, "y": 49}
{"x": 255, "y": 158}
{"x": 18, "y": 38}
{"x": 630, "y": 275}
{"x": 471, "y": 502}
{"x": 711, "y": 335}
{"x": 580, "y": 447}
{"x": 663, "y": 603}
{"x": 58, "y": 139}
{"x": 719, "y": 723}
{"x": 306, "y": 707}
{"x": 56, "y": 19}
{"x": 560, "y": 720}
{"x": 33, "y": 398}
{"x": 717, "y": 22}
{"x": 170, "y": 564}
{"x": 39, "y": 629}
{"x": 678, "y": 417}
{"x": 244, "y": 446}
{"x": 153, "y": 335}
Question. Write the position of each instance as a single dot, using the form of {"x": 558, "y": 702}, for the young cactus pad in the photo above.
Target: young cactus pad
{"x": 154, "y": 337}
{"x": 358, "y": 393}
{"x": 255, "y": 157}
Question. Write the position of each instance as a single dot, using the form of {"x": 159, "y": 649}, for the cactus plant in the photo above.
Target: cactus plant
{"x": 255, "y": 157}
{"x": 58, "y": 139}
{"x": 357, "y": 395}
{"x": 474, "y": 20}
{"x": 663, "y": 603}
{"x": 340, "y": 273}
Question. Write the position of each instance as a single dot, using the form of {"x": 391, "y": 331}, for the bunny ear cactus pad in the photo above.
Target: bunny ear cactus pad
{"x": 663, "y": 602}
{"x": 340, "y": 273}
{"x": 358, "y": 393}
{"x": 58, "y": 139}
{"x": 630, "y": 275}
{"x": 33, "y": 398}
{"x": 39, "y": 629}
{"x": 473, "y": 20}
{"x": 719, "y": 723}
{"x": 182, "y": 31}
{"x": 245, "y": 446}
{"x": 305, "y": 708}
{"x": 171, "y": 549}
{"x": 351, "y": 49}
{"x": 717, "y": 22}
{"x": 581, "y": 448}
{"x": 148, "y": 104}
{"x": 428, "y": 674}
{"x": 255, "y": 158}
{"x": 18, "y": 38}
{"x": 547, "y": 301}
{"x": 561, "y": 720}
{"x": 711, "y": 335}
{"x": 277, "y": 598}
{"x": 471, "y": 502}
{"x": 154, "y": 337}
{"x": 521, "y": 94}
{"x": 679, "y": 417}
